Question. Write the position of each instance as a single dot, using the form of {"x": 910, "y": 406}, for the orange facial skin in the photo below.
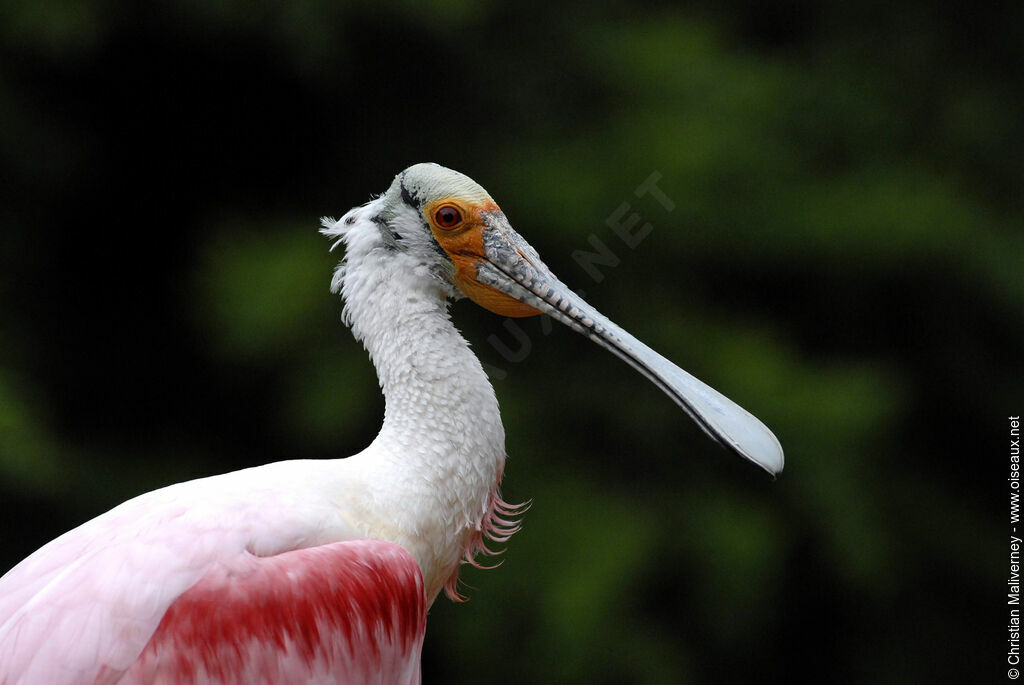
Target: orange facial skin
{"x": 463, "y": 243}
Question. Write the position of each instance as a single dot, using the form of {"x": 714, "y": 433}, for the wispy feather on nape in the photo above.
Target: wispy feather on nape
{"x": 332, "y": 229}
{"x": 335, "y": 229}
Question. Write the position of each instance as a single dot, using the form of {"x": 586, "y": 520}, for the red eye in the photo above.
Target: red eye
{"x": 448, "y": 217}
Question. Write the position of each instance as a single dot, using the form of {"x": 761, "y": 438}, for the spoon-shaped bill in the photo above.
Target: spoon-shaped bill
{"x": 512, "y": 266}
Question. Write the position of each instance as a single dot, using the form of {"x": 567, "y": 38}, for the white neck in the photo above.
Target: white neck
{"x": 439, "y": 456}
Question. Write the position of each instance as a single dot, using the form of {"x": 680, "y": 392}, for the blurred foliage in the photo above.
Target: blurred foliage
{"x": 842, "y": 255}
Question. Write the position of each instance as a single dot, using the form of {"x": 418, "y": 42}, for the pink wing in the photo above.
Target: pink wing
{"x": 252, "y": 576}
{"x": 347, "y": 612}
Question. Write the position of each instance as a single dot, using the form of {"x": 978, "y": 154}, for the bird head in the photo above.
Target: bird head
{"x": 465, "y": 228}
{"x": 459, "y": 237}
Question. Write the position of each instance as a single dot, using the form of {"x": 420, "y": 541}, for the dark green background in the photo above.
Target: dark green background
{"x": 844, "y": 258}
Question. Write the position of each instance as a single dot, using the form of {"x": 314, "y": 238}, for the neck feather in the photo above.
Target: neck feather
{"x": 432, "y": 382}
{"x": 441, "y": 447}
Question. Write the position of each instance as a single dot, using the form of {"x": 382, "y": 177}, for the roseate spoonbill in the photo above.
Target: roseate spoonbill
{"x": 322, "y": 571}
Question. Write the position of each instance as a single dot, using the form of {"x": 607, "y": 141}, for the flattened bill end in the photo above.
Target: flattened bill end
{"x": 768, "y": 456}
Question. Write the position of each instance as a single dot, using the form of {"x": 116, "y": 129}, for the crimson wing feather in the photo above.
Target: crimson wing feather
{"x": 347, "y": 612}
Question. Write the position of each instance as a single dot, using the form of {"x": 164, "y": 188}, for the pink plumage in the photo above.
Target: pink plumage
{"x": 230, "y": 579}
{"x": 352, "y": 611}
